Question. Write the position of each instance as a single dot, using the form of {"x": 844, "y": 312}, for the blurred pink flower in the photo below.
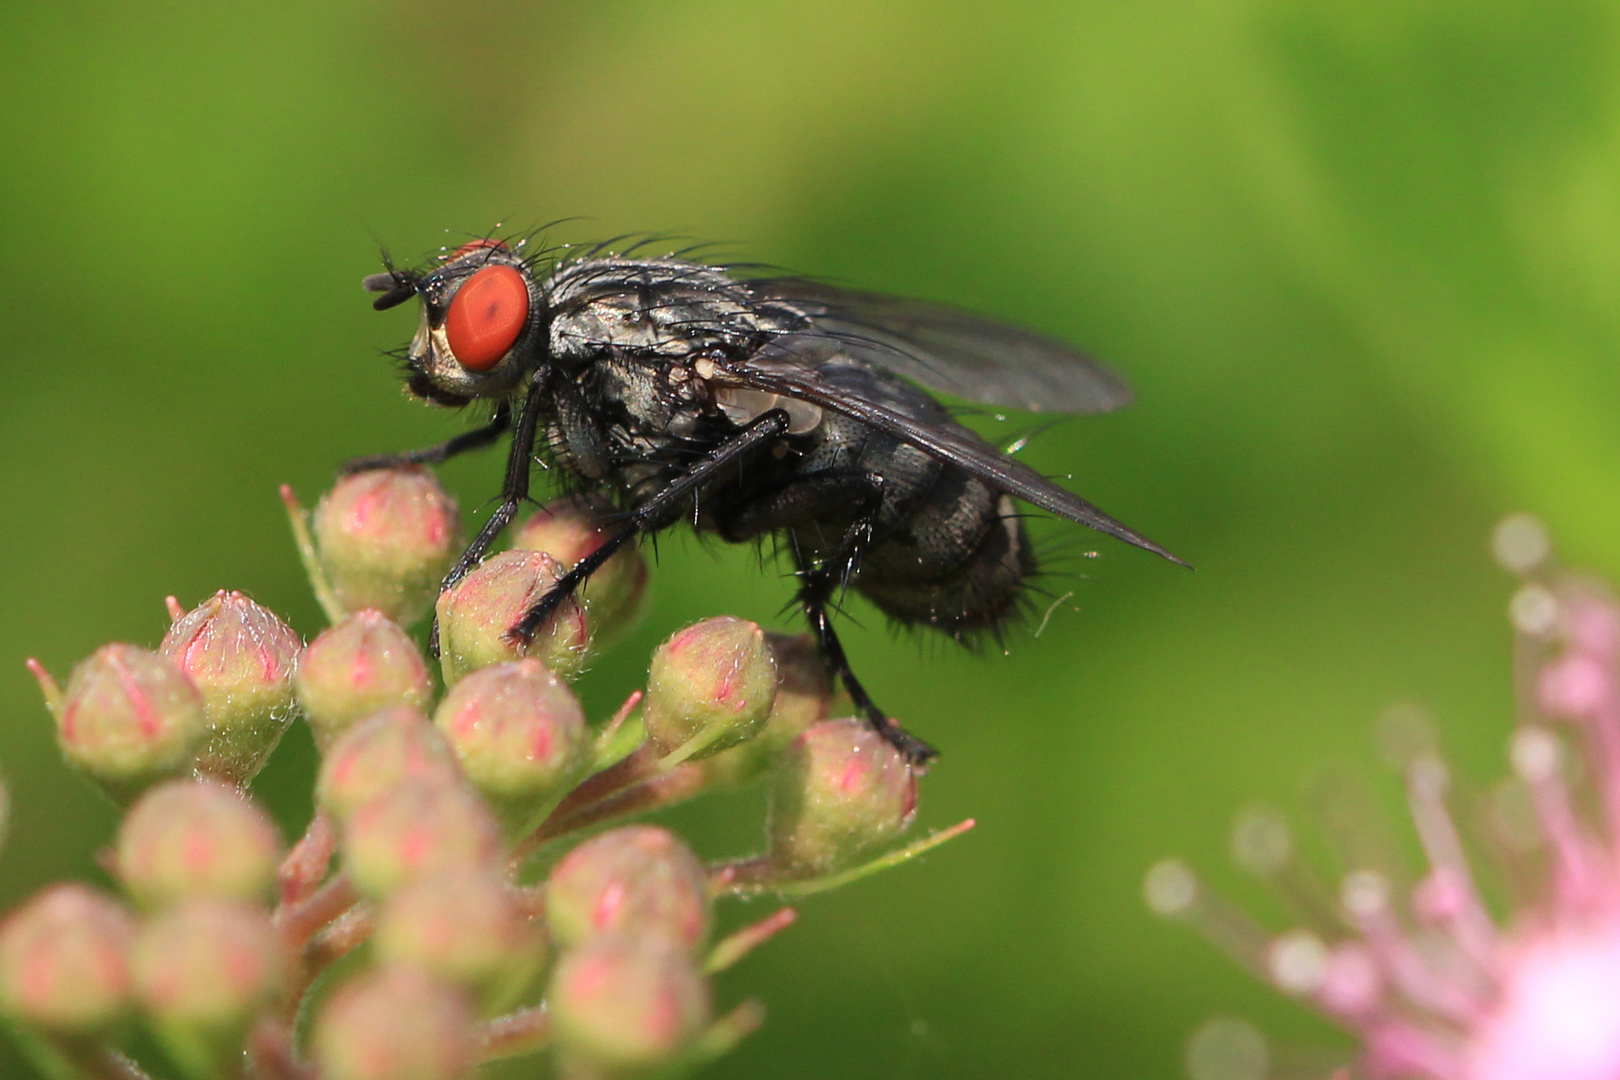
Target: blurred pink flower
{"x": 1436, "y": 982}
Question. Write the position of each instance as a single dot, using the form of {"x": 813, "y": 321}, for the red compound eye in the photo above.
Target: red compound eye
{"x": 486, "y": 316}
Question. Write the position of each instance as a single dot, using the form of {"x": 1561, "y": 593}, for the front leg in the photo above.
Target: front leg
{"x": 514, "y": 489}
{"x": 655, "y": 513}
{"x": 433, "y": 455}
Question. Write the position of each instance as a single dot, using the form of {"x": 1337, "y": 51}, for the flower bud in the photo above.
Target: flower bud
{"x": 242, "y": 658}
{"x": 623, "y": 1003}
{"x": 362, "y": 664}
{"x": 803, "y": 693}
{"x": 418, "y": 829}
{"x": 189, "y": 838}
{"x": 382, "y": 753}
{"x": 395, "y": 1023}
{"x": 710, "y": 687}
{"x": 476, "y": 613}
{"x": 572, "y": 528}
{"x": 202, "y": 971}
{"x": 839, "y": 791}
{"x": 520, "y": 735}
{"x": 466, "y": 929}
{"x": 64, "y": 961}
{"x": 385, "y": 538}
{"x": 129, "y": 718}
{"x": 638, "y": 879}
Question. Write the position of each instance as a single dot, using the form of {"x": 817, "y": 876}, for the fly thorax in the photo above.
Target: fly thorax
{"x": 743, "y": 405}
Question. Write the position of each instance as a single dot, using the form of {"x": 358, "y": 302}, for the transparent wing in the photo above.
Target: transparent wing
{"x": 789, "y": 367}
{"x": 954, "y": 351}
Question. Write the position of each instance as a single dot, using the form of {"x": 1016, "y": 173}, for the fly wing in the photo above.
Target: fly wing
{"x": 954, "y": 351}
{"x": 788, "y": 367}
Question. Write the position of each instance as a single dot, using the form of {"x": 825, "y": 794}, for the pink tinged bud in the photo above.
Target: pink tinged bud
{"x": 635, "y": 880}
{"x": 465, "y": 929}
{"x": 803, "y": 694}
{"x": 417, "y": 830}
{"x": 195, "y": 838}
{"x": 203, "y": 969}
{"x": 476, "y": 613}
{"x": 840, "y": 791}
{"x": 1558, "y": 1016}
{"x": 129, "y": 718}
{"x": 1576, "y": 686}
{"x": 710, "y": 687}
{"x": 570, "y": 529}
{"x": 389, "y": 750}
{"x": 385, "y": 539}
{"x": 520, "y": 735}
{"x": 395, "y": 1023}
{"x": 623, "y": 1003}
{"x": 353, "y": 669}
{"x": 1593, "y": 625}
{"x": 242, "y": 658}
{"x": 64, "y": 961}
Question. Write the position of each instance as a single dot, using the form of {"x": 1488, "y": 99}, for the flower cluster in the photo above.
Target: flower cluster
{"x": 442, "y": 909}
{"x": 1500, "y": 960}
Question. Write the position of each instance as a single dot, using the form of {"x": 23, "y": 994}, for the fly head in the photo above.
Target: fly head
{"x": 482, "y": 325}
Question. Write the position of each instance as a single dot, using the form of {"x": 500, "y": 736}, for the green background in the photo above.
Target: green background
{"x": 1360, "y": 260}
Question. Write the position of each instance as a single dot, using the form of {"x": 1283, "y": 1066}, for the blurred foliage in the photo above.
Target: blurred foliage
{"x": 1360, "y": 259}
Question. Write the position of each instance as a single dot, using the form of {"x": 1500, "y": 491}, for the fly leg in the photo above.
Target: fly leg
{"x": 815, "y": 589}
{"x": 852, "y": 496}
{"x": 433, "y": 455}
{"x": 514, "y": 488}
{"x": 657, "y": 512}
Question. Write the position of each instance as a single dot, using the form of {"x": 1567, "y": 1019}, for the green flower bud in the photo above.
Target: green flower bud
{"x": 639, "y": 879}
{"x": 362, "y": 664}
{"x": 129, "y": 718}
{"x": 420, "y": 828}
{"x": 202, "y": 970}
{"x": 476, "y": 613}
{"x": 466, "y": 929}
{"x": 64, "y": 961}
{"x": 710, "y": 687}
{"x": 803, "y": 693}
{"x": 195, "y": 838}
{"x": 395, "y": 1023}
{"x": 840, "y": 791}
{"x": 627, "y": 1003}
{"x": 382, "y": 753}
{"x": 242, "y": 658}
{"x": 521, "y": 737}
{"x": 572, "y": 528}
{"x": 385, "y": 538}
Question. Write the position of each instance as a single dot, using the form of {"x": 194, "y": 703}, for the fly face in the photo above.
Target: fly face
{"x": 481, "y": 325}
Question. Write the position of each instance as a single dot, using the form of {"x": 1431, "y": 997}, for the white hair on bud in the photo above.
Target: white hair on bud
{"x": 1262, "y": 842}
{"x": 1364, "y": 893}
{"x": 1534, "y": 611}
{"x": 1520, "y": 543}
{"x": 1170, "y": 888}
{"x": 1297, "y": 961}
{"x": 1536, "y": 754}
{"x": 1226, "y": 1048}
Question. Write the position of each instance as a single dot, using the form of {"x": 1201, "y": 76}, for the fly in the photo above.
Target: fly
{"x": 766, "y": 407}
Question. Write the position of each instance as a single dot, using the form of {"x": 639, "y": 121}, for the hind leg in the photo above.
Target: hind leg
{"x": 851, "y": 496}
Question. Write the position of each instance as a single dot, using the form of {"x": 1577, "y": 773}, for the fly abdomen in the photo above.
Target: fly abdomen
{"x": 958, "y": 566}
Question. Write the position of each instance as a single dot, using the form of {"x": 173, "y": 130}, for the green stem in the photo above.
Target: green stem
{"x": 754, "y": 876}
{"x": 325, "y": 595}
